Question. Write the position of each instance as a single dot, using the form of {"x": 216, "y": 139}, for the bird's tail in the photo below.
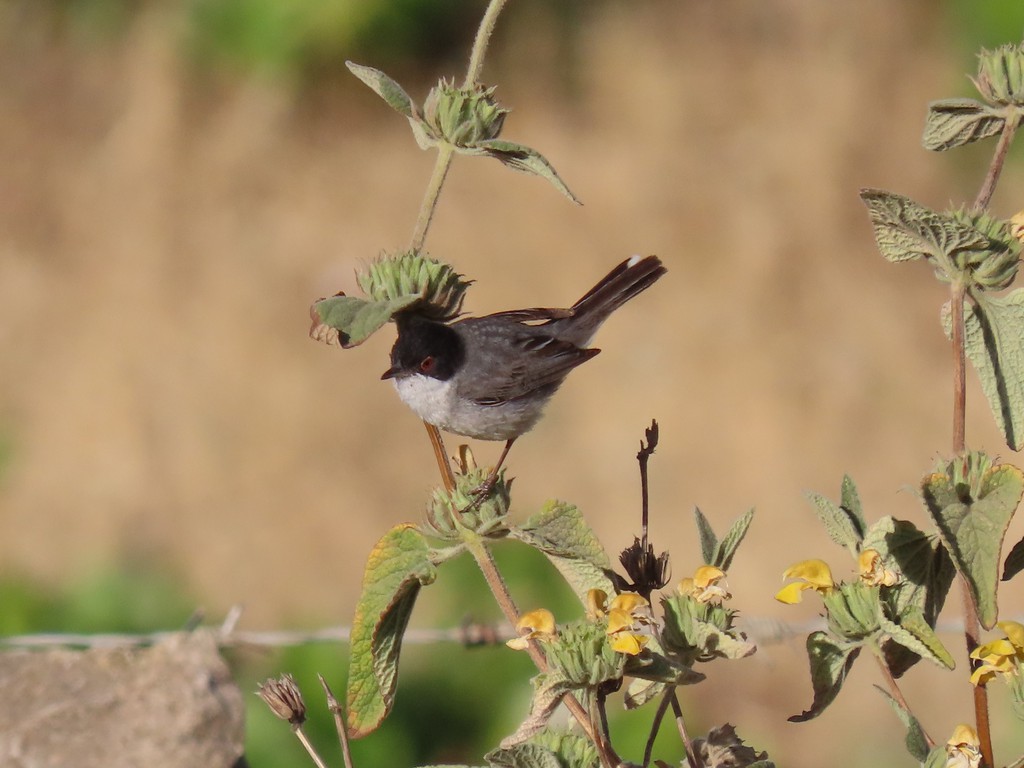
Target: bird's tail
{"x": 630, "y": 278}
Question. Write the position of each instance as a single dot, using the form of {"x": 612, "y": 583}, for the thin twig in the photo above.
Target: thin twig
{"x": 995, "y": 168}
{"x": 897, "y": 693}
{"x": 972, "y": 638}
{"x": 691, "y": 754}
{"x": 304, "y": 740}
{"x": 339, "y": 721}
{"x": 430, "y": 197}
{"x": 659, "y": 715}
{"x": 642, "y": 457}
{"x": 444, "y": 466}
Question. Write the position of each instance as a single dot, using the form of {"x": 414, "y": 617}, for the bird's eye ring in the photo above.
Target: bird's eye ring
{"x": 427, "y": 364}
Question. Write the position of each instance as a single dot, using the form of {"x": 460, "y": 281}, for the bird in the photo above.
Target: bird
{"x": 490, "y": 377}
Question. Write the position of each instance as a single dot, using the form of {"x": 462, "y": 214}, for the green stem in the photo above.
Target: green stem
{"x": 430, "y": 197}
{"x": 483, "y": 37}
{"x": 897, "y": 693}
{"x": 485, "y": 561}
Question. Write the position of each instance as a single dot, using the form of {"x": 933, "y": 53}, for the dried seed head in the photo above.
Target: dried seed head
{"x": 284, "y": 699}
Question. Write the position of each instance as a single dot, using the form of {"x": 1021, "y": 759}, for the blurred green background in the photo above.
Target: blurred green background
{"x": 182, "y": 178}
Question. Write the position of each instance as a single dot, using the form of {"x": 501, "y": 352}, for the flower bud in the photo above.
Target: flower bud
{"x": 394, "y": 276}
{"x": 995, "y": 267}
{"x": 1000, "y": 77}
{"x": 463, "y": 116}
{"x": 284, "y": 699}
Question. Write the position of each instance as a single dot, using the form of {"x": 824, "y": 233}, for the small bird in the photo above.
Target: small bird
{"x": 490, "y": 377}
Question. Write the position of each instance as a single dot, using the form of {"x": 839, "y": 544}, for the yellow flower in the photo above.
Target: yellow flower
{"x": 810, "y": 574}
{"x": 963, "y": 750}
{"x": 628, "y": 615}
{"x": 1002, "y": 656}
{"x": 597, "y": 604}
{"x": 873, "y": 571}
{"x": 535, "y": 625}
{"x": 704, "y": 585}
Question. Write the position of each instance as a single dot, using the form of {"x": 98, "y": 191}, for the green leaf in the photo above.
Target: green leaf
{"x": 521, "y": 158}
{"x": 353, "y": 318}
{"x": 708, "y": 540}
{"x": 842, "y": 527}
{"x": 914, "y": 634}
{"x": 994, "y": 341}
{"x": 905, "y": 230}
{"x": 955, "y": 122}
{"x": 972, "y": 529}
{"x": 1014, "y": 563}
{"x": 547, "y": 696}
{"x": 561, "y": 533}
{"x": 727, "y": 549}
{"x": 830, "y": 663}
{"x": 386, "y": 88}
{"x": 523, "y": 756}
{"x": 849, "y": 500}
{"x": 926, "y": 569}
{"x": 574, "y": 750}
{"x": 916, "y": 741}
{"x": 398, "y": 566}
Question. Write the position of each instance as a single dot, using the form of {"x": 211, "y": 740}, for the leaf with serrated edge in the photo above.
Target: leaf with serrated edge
{"x": 398, "y": 566}
{"x": 522, "y": 158}
{"x": 561, "y": 533}
{"x": 837, "y": 521}
{"x": 546, "y": 698}
{"x": 1014, "y": 562}
{"x": 955, "y": 122}
{"x": 708, "y": 540}
{"x": 830, "y": 663}
{"x": 357, "y": 319}
{"x": 918, "y": 637}
{"x": 523, "y": 756}
{"x": 994, "y": 342}
{"x": 385, "y": 87}
{"x": 906, "y": 230}
{"x": 973, "y": 530}
{"x": 916, "y": 741}
{"x": 733, "y": 539}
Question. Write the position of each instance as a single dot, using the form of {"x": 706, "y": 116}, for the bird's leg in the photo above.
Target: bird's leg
{"x": 484, "y": 490}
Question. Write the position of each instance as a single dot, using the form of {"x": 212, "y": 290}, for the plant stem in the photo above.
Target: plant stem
{"x": 958, "y": 294}
{"x": 897, "y": 693}
{"x": 309, "y": 747}
{"x": 483, "y": 37}
{"x": 972, "y": 636}
{"x": 485, "y": 561}
{"x": 659, "y": 715}
{"x": 443, "y": 465}
{"x": 691, "y": 754}
{"x": 995, "y": 168}
{"x": 339, "y": 722}
{"x": 430, "y": 197}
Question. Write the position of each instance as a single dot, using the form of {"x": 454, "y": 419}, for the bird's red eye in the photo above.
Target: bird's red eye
{"x": 427, "y": 364}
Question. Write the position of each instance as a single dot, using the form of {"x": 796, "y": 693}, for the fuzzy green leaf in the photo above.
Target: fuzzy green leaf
{"x": 523, "y": 756}
{"x": 972, "y": 529}
{"x": 842, "y": 527}
{"x": 1014, "y": 562}
{"x": 955, "y": 122}
{"x": 830, "y": 663}
{"x": 916, "y": 741}
{"x": 354, "y": 319}
{"x": 386, "y": 88}
{"x": 926, "y": 569}
{"x": 398, "y": 566}
{"x": 905, "y": 230}
{"x": 521, "y": 158}
{"x": 706, "y": 534}
{"x": 994, "y": 341}
{"x": 561, "y": 533}
{"x": 547, "y": 696}
{"x": 914, "y": 634}
{"x": 726, "y": 551}
{"x": 849, "y": 500}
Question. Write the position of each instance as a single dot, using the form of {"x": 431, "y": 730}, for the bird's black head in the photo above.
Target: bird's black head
{"x": 425, "y": 347}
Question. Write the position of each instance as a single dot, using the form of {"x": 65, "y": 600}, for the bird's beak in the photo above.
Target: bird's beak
{"x": 390, "y": 373}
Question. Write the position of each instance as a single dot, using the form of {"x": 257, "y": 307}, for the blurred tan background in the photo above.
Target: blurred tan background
{"x": 162, "y": 235}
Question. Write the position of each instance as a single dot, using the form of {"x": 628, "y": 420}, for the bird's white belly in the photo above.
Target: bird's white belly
{"x": 436, "y": 402}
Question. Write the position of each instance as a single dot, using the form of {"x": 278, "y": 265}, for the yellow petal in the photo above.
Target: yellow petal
{"x": 814, "y": 572}
{"x": 538, "y": 622}
{"x": 1014, "y": 633}
{"x": 983, "y": 674}
{"x": 597, "y": 603}
{"x": 792, "y": 593}
{"x": 867, "y": 560}
{"x": 628, "y": 643}
{"x": 994, "y": 649}
{"x": 628, "y": 601}
{"x": 619, "y": 620}
{"x": 685, "y": 586}
{"x": 964, "y": 734}
{"x": 707, "y": 575}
